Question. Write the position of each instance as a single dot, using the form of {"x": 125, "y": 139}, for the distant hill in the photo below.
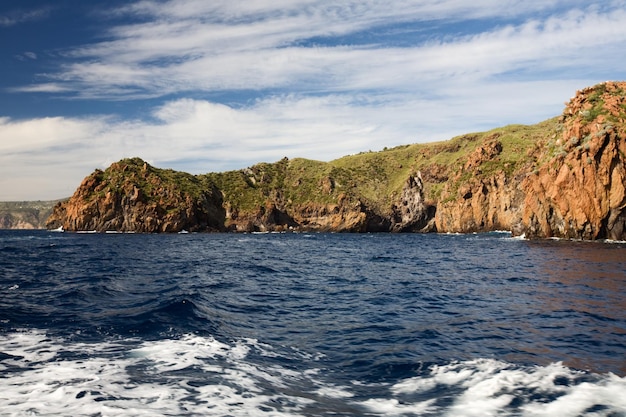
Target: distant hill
{"x": 564, "y": 177}
{"x": 25, "y": 214}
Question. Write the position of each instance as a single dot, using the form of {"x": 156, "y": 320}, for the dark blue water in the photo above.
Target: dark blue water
{"x": 310, "y": 325}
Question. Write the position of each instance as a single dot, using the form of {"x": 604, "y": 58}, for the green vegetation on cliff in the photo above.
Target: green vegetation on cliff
{"x": 473, "y": 182}
{"x": 151, "y": 181}
{"x": 378, "y": 177}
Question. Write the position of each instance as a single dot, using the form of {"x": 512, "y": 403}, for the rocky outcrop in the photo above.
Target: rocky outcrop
{"x": 579, "y": 192}
{"x": 570, "y": 185}
{"x": 564, "y": 177}
{"x": 481, "y": 204}
{"x": 132, "y": 196}
{"x": 473, "y": 202}
{"x": 342, "y": 216}
{"x": 344, "y": 213}
{"x": 412, "y": 214}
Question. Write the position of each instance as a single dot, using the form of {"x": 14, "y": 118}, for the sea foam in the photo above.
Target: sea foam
{"x": 196, "y": 375}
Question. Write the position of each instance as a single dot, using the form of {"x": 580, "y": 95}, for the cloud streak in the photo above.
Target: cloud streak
{"x": 16, "y": 17}
{"x": 180, "y": 52}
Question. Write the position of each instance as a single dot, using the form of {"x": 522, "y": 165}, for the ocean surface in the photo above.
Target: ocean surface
{"x": 310, "y": 325}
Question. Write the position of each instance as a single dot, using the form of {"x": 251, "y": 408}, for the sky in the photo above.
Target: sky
{"x": 209, "y": 86}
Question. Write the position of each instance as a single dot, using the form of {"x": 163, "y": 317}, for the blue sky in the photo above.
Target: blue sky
{"x": 206, "y": 86}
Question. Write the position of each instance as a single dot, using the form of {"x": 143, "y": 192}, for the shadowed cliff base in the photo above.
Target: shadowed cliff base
{"x": 564, "y": 177}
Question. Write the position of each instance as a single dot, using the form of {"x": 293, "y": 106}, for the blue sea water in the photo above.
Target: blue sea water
{"x": 310, "y": 325}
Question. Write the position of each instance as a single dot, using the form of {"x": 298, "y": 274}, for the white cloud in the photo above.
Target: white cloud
{"x": 181, "y": 51}
{"x": 353, "y": 12}
{"x": 26, "y": 56}
{"x": 44, "y": 133}
{"x": 41, "y": 88}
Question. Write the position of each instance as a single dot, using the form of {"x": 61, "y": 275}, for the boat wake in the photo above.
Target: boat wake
{"x": 195, "y": 375}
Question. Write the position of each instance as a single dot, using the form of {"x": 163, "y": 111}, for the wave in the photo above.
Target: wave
{"x": 74, "y": 310}
{"x": 614, "y": 242}
{"x": 195, "y": 375}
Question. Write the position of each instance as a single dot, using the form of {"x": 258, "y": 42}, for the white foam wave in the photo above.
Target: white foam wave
{"x": 111, "y": 379}
{"x": 487, "y": 387}
{"x": 197, "y": 375}
{"x": 616, "y": 242}
{"x": 393, "y": 407}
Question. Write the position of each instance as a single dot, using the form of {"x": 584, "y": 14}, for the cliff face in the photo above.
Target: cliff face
{"x": 413, "y": 213}
{"x": 11, "y": 219}
{"x": 569, "y": 184}
{"x": 333, "y": 217}
{"x": 579, "y": 192}
{"x": 564, "y": 177}
{"x": 409, "y": 214}
{"x": 133, "y": 196}
{"x": 472, "y": 202}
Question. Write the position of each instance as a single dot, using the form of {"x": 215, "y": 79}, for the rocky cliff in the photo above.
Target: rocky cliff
{"x": 564, "y": 177}
{"x": 473, "y": 201}
{"x": 578, "y": 192}
{"x": 25, "y": 214}
{"x": 567, "y": 181}
{"x": 133, "y": 196}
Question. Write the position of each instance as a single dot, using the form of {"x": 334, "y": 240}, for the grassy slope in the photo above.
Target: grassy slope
{"x": 377, "y": 178}
{"x": 152, "y": 181}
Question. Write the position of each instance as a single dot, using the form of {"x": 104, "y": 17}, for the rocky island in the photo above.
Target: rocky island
{"x": 564, "y": 177}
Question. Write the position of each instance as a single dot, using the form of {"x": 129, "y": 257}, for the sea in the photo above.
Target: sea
{"x": 310, "y": 324}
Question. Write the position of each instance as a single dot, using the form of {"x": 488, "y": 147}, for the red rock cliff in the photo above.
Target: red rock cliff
{"x": 133, "y": 196}
{"x": 569, "y": 184}
{"x": 579, "y": 192}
